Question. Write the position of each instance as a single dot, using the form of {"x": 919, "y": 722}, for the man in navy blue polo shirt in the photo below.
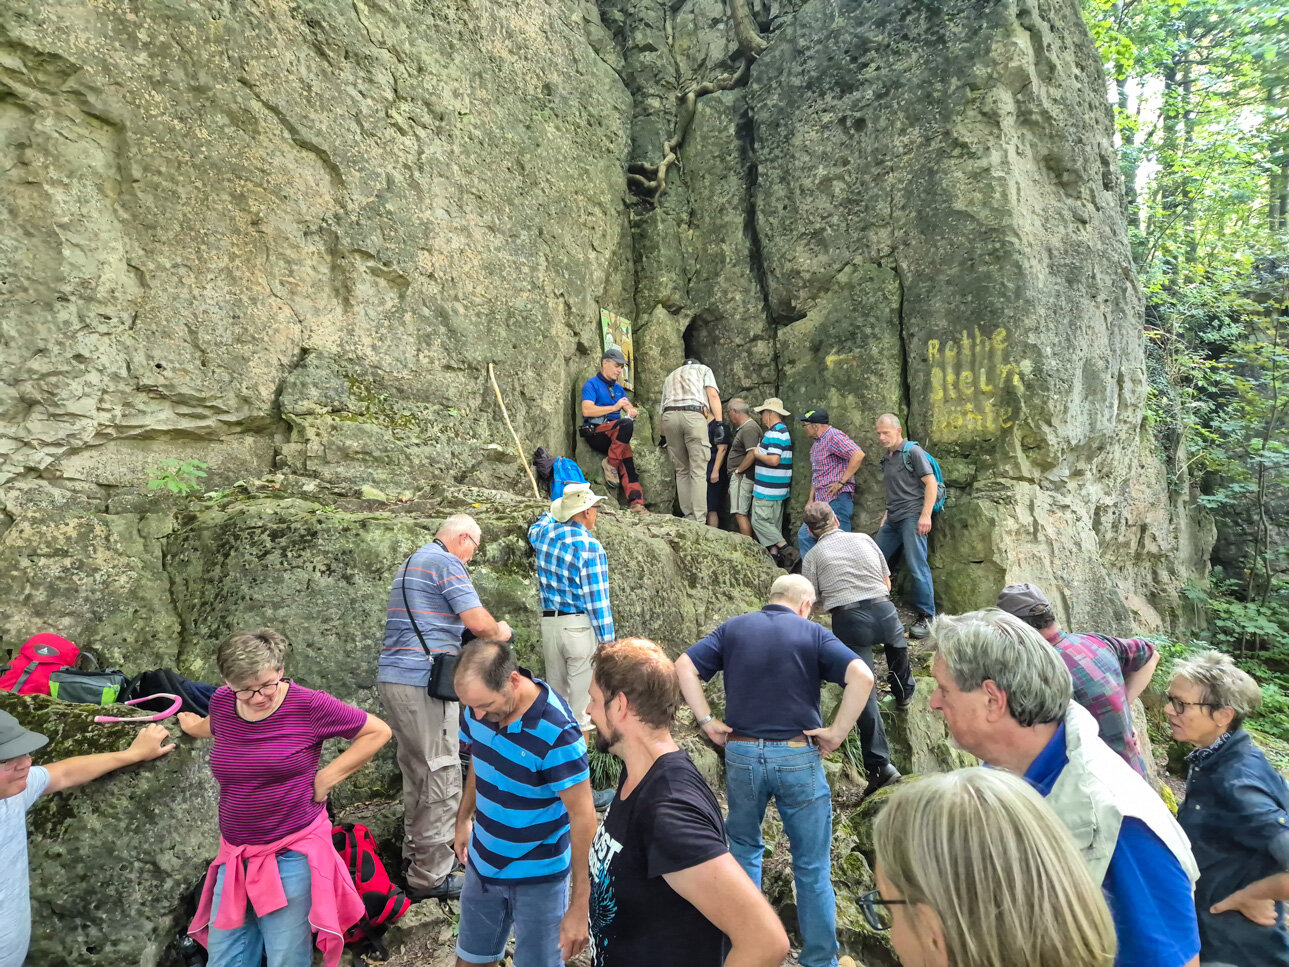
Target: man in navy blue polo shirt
{"x": 608, "y": 420}
{"x": 1006, "y": 697}
{"x": 774, "y": 661}
{"x": 526, "y": 818}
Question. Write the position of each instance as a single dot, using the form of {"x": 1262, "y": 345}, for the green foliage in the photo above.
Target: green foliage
{"x": 1200, "y": 90}
{"x": 605, "y": 769}
{"x": 178, "y": 476}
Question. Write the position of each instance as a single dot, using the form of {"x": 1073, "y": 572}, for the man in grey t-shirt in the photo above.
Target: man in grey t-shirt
{"x": 911, "y": 492}
{"x": 21, "y": 784}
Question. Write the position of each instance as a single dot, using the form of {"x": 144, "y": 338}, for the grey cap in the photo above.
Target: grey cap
{"x": 15, "y": 740}
{"x": 615, "y": 354}
{"x": 1022, "y": 600}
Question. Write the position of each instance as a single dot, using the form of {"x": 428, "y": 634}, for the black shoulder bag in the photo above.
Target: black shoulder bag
{"x": 443, "y": 666}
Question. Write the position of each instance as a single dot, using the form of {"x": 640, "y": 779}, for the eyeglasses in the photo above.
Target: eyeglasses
{"x": 876, "y": 911}
{"x": 246, "y": 694}
{"x": 1181, "y": 706}
{"x": 471, "y": 540}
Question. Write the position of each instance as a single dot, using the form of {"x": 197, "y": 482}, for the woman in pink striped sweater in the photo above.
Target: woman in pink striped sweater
{"x": 277, "y": 879}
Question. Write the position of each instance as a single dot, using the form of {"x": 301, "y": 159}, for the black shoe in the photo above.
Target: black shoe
{"x": 902, "y": 705}
{"x": 885, "y": 777}
{"x": 921, "y": 628}
{"x": 448, "y": 889}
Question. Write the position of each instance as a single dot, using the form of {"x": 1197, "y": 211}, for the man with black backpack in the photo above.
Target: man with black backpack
{"x": 431, "y": 604}
{"x": 912, "y": 492}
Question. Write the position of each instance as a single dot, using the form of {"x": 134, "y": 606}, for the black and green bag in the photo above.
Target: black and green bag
{"x": 88, "y": 688}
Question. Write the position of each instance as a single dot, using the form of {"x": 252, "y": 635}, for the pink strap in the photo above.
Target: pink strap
{"x": 175, "y": 706}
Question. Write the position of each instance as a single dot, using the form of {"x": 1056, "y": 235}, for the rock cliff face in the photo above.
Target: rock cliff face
{"x": 288, "y": 241}
{"x": 278, "y": 239}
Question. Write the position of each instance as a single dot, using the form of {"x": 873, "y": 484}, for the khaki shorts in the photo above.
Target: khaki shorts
{"x": 741, "y": 494}
{"x": 767, "y": 521}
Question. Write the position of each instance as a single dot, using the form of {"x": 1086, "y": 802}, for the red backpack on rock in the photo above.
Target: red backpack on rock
{"x": 384, "y": 901}
{"x": 40, "y": 657}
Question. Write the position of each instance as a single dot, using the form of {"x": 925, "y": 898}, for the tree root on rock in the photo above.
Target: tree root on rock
{"x": 650, "y": 181}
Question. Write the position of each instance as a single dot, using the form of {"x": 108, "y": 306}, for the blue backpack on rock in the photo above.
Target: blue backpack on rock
{"x": 564, "y": 473}
{"x": 941, "y": 489}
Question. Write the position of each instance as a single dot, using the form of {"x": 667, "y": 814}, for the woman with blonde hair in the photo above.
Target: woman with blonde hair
{"x": 975, "y": 870}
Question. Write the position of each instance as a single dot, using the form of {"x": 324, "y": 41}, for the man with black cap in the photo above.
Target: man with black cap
{"x": 1108, "y": 673}
{"x": 834, "y": 461}
{"x": 608, "y": 420}
{"x": 21, "y": 784}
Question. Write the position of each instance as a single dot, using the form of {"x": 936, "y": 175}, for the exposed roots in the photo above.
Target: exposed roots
{"x": 650, "y": 181}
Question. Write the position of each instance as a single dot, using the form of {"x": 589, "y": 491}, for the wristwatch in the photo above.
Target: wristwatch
{"x": 703, "y": 721}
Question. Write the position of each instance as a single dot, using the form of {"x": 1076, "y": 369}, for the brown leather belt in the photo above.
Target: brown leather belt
{"x": 800, "y": 742}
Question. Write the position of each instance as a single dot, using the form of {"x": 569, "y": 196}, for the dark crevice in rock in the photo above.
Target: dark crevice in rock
{"x": 745, "y": 131}
{"x": 906, "y": 388}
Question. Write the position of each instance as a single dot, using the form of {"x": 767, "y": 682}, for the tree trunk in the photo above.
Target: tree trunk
{"x": 748, "y": 38}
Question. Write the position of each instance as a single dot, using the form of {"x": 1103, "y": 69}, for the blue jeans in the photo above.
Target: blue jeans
{"x": 756, "y": 771}
{"x": 490, "y": 908}
{"x": 902, "y": 536}
{"x": 843, "y": 505}
{"x": 284, "y": 935}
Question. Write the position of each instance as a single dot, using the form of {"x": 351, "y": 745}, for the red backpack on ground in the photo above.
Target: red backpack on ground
{"x": 40, "y": 657}
{"x": 384, "y": 901}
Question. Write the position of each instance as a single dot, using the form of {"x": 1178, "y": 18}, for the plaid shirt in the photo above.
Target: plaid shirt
{"x": 1097, "y": 664}
{"x": 829, "y": 457}
{"x": 572, "y": 572}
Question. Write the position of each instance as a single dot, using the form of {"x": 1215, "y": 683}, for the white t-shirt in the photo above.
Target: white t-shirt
{"x": 15, "y": 888}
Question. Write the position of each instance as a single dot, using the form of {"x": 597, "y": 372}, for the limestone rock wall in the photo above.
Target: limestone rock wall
{"x": 919, "y": 212}
{"x": 263, "y": 234}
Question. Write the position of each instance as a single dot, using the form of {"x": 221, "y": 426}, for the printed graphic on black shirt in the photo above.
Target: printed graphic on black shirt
{"x": 669, "y": 823}
{"x": 604, "y": 905}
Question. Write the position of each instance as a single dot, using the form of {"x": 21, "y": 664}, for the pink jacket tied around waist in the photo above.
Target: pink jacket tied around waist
{"x": 334, "y": 903}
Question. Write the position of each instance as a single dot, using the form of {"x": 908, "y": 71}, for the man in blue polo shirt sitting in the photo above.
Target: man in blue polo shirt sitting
{"x": 608, "y": 420}
{"x": 1005, "y": 695}
{"x": 526, "y": 816}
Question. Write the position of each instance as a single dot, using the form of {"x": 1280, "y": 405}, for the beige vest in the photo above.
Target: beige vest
{"x": 1097, "y": 789}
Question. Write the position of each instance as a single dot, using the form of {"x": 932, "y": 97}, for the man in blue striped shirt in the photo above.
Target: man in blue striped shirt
{"x": 526, "y": 818}
{"x": 773, "y": 479}
{"x": 573, "y": 578}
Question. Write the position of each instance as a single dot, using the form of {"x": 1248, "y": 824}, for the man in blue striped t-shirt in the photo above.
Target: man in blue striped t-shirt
{"x": 526, "y": 816}
{"x": 773, "y": 479}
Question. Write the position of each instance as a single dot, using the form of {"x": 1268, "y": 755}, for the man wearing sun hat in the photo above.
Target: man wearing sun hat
{"x": 773, "y": 480}
{"x": 21, "y": 784}
{"x": 573, "y": 579}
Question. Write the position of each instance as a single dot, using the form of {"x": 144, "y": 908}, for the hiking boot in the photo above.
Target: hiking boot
{"x": 448, "y": 889}
{"x": 638, "y": 507}
{"x": 611, "y": 477}
{"x": 901, "y": 705}
{"x": 884, "y": 777}
{"x": 602, "y": 798}
{"x": 921, "y": 628}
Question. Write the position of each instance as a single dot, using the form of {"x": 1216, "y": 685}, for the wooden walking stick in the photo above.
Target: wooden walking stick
{"x": 519, "y": 447}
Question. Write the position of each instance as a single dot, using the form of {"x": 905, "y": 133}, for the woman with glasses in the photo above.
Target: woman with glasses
{"x": 277, "y": 877}
{"x": 975, "y": 870}
{"x": 1236, "y": 814}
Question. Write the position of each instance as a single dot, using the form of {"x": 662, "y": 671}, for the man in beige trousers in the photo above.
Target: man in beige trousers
{"x": 431, "y": 603}
{"x": 689, "y": 400}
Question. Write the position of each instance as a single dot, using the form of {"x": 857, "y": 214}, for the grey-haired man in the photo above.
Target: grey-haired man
{"x": 21, "y": 784}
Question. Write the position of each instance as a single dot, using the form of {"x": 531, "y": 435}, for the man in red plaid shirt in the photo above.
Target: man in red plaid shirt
{"x": 834, "y": 460}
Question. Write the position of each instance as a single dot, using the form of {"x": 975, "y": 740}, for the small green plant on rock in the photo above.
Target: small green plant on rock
{"x": 178, "y": 476}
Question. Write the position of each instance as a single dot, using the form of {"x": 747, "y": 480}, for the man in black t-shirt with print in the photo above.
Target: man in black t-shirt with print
{"x": 664, "y": 887}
